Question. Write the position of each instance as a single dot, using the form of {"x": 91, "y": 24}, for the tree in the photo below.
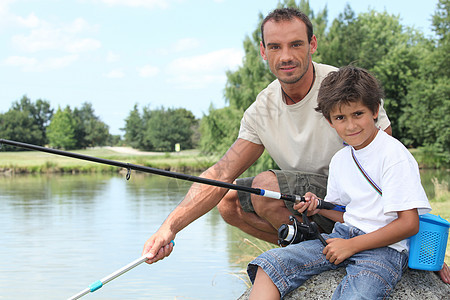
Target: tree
{"x": 26, "y": 121}
{"x": 427, "y": 115}
{"x": 219, "y": 129}
{"x": 134, "y": 128}
{"x": 377, "y": 42}
{"x": 61, "y": 131}
{"x": 165, "y": 128}
{"x": 160, "y": 129}
{"x": 90, "y": 131}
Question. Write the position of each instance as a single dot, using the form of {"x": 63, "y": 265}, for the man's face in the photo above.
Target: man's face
{"x": 287, "y": 49}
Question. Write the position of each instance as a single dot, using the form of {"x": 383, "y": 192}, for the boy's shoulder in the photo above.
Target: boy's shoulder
{"x": 382, "y": 147}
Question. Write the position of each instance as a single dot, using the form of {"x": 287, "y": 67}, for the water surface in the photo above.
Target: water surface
{"x": 58, "y": 234}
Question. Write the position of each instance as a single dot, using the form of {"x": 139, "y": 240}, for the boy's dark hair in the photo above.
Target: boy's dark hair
{"x": 346, "y": 85}
{"x": 287, "y": 14}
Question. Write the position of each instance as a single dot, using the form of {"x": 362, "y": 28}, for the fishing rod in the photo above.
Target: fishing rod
{"x": 261, "y": 192}
{"x": 270, "y": 194}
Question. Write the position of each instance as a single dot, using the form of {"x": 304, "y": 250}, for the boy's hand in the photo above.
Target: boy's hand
{"x": 338, "y": 250}
{"x": 310, "y": 204}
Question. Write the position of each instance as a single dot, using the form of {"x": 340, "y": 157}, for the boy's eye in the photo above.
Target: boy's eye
{"x": 338, "y": 118}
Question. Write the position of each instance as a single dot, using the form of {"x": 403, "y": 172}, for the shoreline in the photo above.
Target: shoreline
{"x": 35, "y": 162}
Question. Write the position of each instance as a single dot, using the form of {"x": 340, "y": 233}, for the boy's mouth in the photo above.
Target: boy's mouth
{"x": 354, "y": 133}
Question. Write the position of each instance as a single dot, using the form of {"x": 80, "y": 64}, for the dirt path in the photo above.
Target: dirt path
{"x": 132, "y": 151}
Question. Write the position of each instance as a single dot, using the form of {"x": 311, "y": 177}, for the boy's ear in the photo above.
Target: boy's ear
{"x": 375, "y": 116}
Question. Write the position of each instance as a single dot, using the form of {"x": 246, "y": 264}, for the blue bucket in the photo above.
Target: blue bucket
{"x": 427, "y": 248}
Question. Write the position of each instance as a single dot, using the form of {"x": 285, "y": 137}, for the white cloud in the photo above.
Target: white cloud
{"x": 186, "y": 44}
{"x": 139, "y": 3}
{"x": 115, "y": 74}
{"x": 31, "y": 21}
{"x": 112, "y": 57}
{"x": 32, "y": 64}
{"x": 198, "y": 71}
{"x": 214, "y": 61}
{"x": 21, "y": 61}
{"x": 50, "y": 37}
{"x": 148, "y": 71}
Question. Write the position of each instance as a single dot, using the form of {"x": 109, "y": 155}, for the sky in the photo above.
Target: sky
{"x": 156, "y": 53}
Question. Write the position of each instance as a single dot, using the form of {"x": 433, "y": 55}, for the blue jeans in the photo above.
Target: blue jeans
{"x": 371, "y": 274}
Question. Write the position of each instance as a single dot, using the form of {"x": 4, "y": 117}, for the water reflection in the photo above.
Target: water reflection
{"x": 58, "y": 234}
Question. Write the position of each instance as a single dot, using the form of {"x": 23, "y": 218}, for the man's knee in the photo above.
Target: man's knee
{"x": 228, "y": 207}
{"x": 264, "y": 205}
{"x": 266, "y": 180}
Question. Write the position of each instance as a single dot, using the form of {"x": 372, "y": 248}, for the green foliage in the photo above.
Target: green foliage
{"x": 61, "y": 131}
{"x": 412, "y": 69}
{"x": 160, "y": 129}
{"x": 427, "y": 115}
{"x": 219, "y": 129}
{"x": 246, "y": 83}
{"x": 90, "y": 131}
{"x": 26, "y": 121}
{"x": 134, "y": 128}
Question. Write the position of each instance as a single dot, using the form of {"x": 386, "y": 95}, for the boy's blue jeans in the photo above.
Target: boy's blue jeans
{"x": 371, "y": 274}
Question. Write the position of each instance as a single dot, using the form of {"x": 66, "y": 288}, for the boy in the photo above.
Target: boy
{"x": 382, "y": 207}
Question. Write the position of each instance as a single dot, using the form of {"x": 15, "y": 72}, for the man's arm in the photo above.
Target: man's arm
{"x": 201, "y": 198}
{"x": 406, "y": 225}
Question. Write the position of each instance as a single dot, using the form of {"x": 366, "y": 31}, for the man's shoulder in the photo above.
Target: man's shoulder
{"x": 272, "y": 91}
{"x": 323, "y": 69}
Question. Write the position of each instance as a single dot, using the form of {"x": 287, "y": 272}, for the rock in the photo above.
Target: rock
{"x": 415, "y": 284}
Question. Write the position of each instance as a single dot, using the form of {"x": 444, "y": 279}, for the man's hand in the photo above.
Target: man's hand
{"x": 158, "y": 246}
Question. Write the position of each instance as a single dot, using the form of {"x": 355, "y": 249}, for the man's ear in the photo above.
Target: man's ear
{"x": 262, "y": 50}
{"x": 313, "y": 44}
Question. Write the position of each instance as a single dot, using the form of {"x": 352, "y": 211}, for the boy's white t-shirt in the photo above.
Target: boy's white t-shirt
{"x": 296, "y": 136}
{"x": 392, "y": 167}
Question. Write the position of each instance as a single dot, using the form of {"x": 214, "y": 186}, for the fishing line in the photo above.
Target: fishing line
{"x": 129, "y": 167}
{"x": 99, "y": 283}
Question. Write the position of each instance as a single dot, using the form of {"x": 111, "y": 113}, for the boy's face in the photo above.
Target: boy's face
{"x": 354, "y": 123}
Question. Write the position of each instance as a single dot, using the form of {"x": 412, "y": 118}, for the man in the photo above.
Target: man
{"x": 283, "y": 121}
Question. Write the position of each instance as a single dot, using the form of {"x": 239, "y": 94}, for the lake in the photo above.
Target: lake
{"x": 60, "y": 233}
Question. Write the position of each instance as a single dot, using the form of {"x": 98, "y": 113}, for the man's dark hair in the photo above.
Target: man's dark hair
{"x": 287, "y": 14}
{"x": 346, "y": 85}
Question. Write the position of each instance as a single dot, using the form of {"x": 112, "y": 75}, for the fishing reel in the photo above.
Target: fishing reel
{"x": 298, "y": 232}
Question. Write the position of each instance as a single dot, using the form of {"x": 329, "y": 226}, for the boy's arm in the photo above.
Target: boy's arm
{"x": 406, "y": 225}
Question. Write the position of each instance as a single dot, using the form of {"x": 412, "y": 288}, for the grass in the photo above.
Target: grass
{"x": 41, "y": 162}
